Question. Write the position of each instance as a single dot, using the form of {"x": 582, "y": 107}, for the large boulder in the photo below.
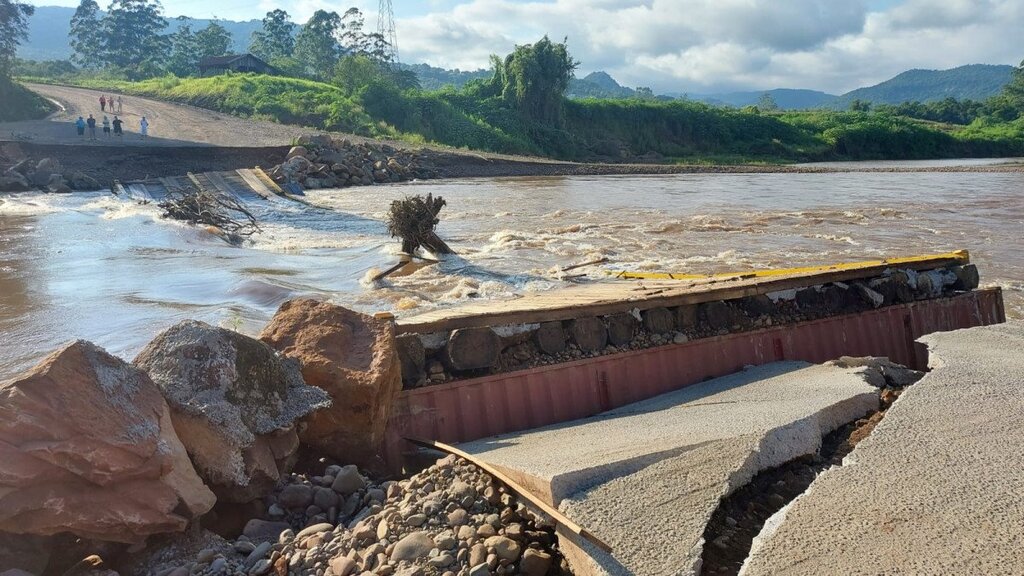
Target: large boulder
{"x": 88, "y": 447}
{"x": 14, "y": 182}
{"x": 234, "y": 403}
{"x": 82, "y": 181}
{"x": 354, "y": 358}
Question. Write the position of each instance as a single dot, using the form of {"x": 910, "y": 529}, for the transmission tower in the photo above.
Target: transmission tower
{"x": 386, "y": 28}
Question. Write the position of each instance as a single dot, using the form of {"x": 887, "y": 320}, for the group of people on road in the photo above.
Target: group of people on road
{"x": 108, "y": 102}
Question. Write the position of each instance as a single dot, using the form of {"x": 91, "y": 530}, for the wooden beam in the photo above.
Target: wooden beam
{"x": 551, "y": 511}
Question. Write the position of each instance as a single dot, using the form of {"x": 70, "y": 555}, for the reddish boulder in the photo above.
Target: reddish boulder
{"x": 87, "y": 447}
{"x": 234, "y": 403}
{"x": 353, "y": 356}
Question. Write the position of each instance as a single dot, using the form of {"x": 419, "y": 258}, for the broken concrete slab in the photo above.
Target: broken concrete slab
{"x": 936, "y": 487}
{"x": 646, "y": 478}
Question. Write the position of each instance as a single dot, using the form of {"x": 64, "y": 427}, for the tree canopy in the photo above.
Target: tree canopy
{"x": 86, "y": 36}
{"x": 276, "y": 38}
{"x": 534, "y": 78}
{"x": 13, "y": 30}
{"x": 317, "y": 45}
{"x": 133, "y": 38}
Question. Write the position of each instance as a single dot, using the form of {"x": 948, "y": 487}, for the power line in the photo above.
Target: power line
{"x": 386, "y": 28}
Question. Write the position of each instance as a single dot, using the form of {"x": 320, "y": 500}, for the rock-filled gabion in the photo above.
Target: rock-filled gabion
{"x": 429, "y": 359}
{"x": 450, "y": 519}
{"x": 324, "y": 162}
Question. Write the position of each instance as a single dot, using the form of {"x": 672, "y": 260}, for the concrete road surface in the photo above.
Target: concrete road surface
{"x": 647, "y": 477}
{"x": 169, "y": 124}
{"x": 938, "y": 487}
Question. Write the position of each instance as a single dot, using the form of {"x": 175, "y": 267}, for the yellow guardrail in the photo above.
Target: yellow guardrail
{"x": 960, "y": 256}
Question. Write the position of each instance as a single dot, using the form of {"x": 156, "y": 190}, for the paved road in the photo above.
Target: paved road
{"x": 647, "y": 477}
{"x": 936, "y": 489}
{"x": 169, "y": 124}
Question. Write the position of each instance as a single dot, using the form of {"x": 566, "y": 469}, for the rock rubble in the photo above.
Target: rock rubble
{"x": 451, "y": 519}
{"x": 321, "y": 161}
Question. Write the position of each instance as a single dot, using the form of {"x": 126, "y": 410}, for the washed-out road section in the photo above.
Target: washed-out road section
{"x": 937, "y": 487}
{"x": 647, "y": 477}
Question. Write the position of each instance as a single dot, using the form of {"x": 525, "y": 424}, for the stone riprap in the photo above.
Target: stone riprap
{"x": 87, "y": 447}
{"x": 647, "y": 477}
{"x": 322, "y": 161}
{"x": 935, "y": 489}
{"x": 234, "y": 403}
{"x": 588, "y": 337}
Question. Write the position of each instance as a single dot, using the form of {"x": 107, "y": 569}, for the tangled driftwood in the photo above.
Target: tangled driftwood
{"x": 201, "y": 207}
{"x": 413, "y": 220}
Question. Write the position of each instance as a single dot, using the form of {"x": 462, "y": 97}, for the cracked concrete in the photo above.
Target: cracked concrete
{"x": 936, "y": 489}
{"x": 647, "y": 477}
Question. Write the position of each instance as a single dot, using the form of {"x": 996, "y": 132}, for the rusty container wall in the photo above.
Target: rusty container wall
{"x": 480, "y": 407}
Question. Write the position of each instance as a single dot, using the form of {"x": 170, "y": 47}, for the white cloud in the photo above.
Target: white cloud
{"x": 704, "y": 45}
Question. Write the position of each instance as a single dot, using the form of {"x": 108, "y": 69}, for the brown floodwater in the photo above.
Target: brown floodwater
{"x": 109, "y": 270}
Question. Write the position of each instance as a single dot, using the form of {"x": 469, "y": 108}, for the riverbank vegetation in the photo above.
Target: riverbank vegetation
{"x": 16, "y": 103}
{"x": 332, "y": 75}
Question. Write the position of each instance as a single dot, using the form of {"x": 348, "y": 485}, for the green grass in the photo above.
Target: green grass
{"x": 593, "y": 129}
{"x": 20, "y": 103}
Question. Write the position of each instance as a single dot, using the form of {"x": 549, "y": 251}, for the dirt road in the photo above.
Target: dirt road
{"x": 169, "y": 124}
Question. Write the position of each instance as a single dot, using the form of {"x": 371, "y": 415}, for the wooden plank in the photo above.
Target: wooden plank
{"x": 617, "y": 296}
{"x": 267, "y": 180}
{"x": 961, "y": 255}
{"x": 555, "y": 515}
{"x": 254, "y": 182}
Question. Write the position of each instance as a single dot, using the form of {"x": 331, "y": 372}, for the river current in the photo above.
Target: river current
{"x": 110, "y": 270}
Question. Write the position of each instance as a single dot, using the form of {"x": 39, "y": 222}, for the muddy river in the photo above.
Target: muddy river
{"x": 109, "y": 270}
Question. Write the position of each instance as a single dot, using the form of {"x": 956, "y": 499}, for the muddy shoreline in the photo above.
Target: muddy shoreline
{"x": 109, "y": 163}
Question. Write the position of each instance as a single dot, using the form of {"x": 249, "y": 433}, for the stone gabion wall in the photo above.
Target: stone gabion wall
{"x": 436, "y": 358}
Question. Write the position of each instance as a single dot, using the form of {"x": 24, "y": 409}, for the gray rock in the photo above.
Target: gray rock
{"x": 82, "y": 181}
{"x": 234, "y": 404}
{"x": 348, "y": 481}
{"x": 325, "y": 498}
{"x": 296, "y": 496}
{"x": 14, "y": 182}
{"x": 416, "y": 520}
{"x": 257, "y": 554}
{"x": 262, "y": 530}
{"x": 481, "y": 569}
{"x": 314, "y": 529}
{"x": 413, "y": 547}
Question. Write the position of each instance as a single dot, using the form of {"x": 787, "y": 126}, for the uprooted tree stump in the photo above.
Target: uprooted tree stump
{"x": 413, "y": 220}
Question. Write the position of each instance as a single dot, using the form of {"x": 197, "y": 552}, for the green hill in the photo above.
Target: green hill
{"x": 785, "y": 98}
{"x": 971, "y": 82}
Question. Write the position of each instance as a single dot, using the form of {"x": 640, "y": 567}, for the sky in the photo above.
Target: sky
{"x": 690, "y": 46}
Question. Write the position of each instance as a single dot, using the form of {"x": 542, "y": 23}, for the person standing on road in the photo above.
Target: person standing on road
{"x": 103, "y": 103}
{"x": 119, "y": 103}
{"x": 80, "y": 126}
{"x": 117, "y": 127}
{"x": 144, "y": 127}
{"x": 106, "y": 126}
{"x": 91, "y": 122}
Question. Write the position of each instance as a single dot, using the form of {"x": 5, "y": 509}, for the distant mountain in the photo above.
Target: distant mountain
{"x": 785, "y": 98}
{"x": 598, "y": 85}
{"x": 432, "y": 78}
{"x": 973, "y": 82}
{"x": 48, "y": 33}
